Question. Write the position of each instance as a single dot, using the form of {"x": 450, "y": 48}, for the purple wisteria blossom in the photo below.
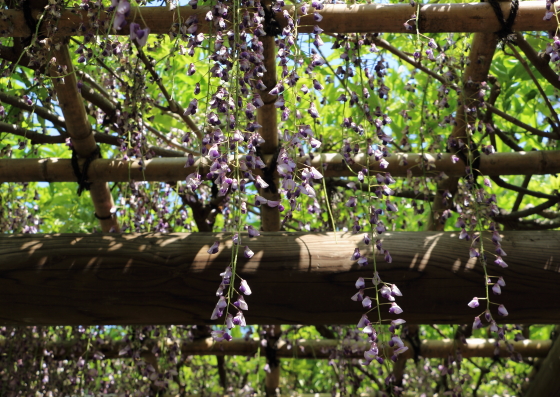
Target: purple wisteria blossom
{"x": 122, "y": 9}
{"x": 252, "y": 231}
{"x": 138, "y": 35}
{"x": 219, "y": 309}
{"x": 363, "y": 261}
{"x": 363, "y": 321}
{"x": 240, "y": 303}
{"x": 473, "y": 303}
{"x": 244, "y": 288}
{"x": 502, "y": 310}
{"x": 214, "y": 248}
{"x": 360, "y": 283}
{"x": 395, "y": 309}
{"x": 496, "y": 289}
{"x": 500, "y": 262}
{"x": 239, "y": 319}
{"x": 259, "y": 200}
{"x": 248, "y": 253}
{"x": 358, "y": 296}
{"x": 219, "y": 336}
{"x": 477, "y": 324}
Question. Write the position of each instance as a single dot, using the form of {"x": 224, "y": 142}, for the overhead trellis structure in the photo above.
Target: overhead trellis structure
{"x": 337, "y": 18}
{"x": 125, "y": 279}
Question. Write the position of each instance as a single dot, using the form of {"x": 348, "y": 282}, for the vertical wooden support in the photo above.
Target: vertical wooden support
{"x": 272, "y": 381}
{"x": 482, "y": 51}
{"x": 270, "y": 217}
{"x": 79, "y": 130}
{"x": 267, "y": 117}
{"x": 400, "y": 365}
{"x": 545, "y": 380}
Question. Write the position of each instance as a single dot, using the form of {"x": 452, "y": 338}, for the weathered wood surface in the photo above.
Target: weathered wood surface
{"x": 295, "y": 278}
{"x": 337, "y": 18}
{"x": 173, "y": 168}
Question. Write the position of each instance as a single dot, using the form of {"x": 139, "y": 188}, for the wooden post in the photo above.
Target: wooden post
{"x": 270, "y": 217}
{"x": 400, "y": 365}
{"x": 272, "y": 380}
{"x": 267, "y": 117}
{"x": 546, "y": 382}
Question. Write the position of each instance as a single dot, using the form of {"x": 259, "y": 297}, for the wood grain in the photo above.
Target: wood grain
{"x": 337, "y": 18}
{"x": 296, "y": 278}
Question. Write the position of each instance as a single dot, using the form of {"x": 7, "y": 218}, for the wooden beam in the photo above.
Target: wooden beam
{"x": 173, "y": 169}
{"x": 301, "y": 348}
{"x": 296, "y": 278}
{"x": 337, "y": 18}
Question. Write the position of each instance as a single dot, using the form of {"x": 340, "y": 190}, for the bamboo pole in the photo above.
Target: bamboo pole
{"x": 300, "y": 349}
{"x": 296, "y": 278}
{"x": 337, "y": 18}
{"x": 173, "y": 168}
{"x": 79, "y": 129}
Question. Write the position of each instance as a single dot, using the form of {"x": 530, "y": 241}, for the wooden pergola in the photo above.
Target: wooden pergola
{"x": 123, "y": 279}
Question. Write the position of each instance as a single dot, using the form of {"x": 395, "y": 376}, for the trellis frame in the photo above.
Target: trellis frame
{"x": 387, "y": 18}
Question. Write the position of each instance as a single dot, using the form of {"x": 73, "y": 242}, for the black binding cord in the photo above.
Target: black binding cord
{"x": 81, "y": 175}
{"x": 103, "y": 218}
{"x": 507, "y": 24}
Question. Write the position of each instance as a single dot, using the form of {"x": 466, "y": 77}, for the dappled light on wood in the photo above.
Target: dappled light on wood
{"x": 111, "y": 277}
{"x": 316, "y": 197}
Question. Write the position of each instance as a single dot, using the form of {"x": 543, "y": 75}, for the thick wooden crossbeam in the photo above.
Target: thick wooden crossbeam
{"x": 337, "y": 18}
{"x": 173, "y": 169}
{"x": 296, "y": 278}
